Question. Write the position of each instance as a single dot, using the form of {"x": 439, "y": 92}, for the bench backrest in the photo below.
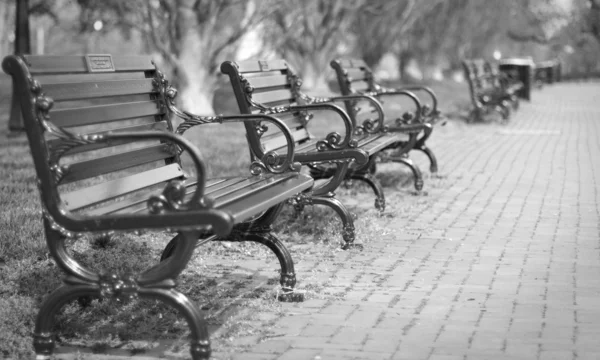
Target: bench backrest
{"x": 354, "y": 77}
{"x": 92, "y": 94}
{"x": 479, "y": 76}
{"x": 271, "y": 84}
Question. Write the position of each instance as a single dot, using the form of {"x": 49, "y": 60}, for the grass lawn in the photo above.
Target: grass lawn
{"x": 224, "y": 279}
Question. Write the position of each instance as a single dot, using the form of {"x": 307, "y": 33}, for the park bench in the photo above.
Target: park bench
{"x": 107, "y": 160}
{"x": 490, "y": 89}
{"x": 355, "y": 77}
{"x": 272, "y": 87}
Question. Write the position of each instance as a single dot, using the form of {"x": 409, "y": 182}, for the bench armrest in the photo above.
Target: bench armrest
{"x": 428, "y": 110}
{"x": 166, "y": 210}
{"x": 391, "y": 92}
{"x": 333, "y": 140}
{"x": 270, "y": 161}
{"x": 368, "y": 126}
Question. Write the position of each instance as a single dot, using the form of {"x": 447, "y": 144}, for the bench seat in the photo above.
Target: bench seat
{"x": 108, "y": 159}
{"x": 240, "y": 197}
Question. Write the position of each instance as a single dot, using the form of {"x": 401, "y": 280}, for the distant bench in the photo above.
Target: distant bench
{"x": 355, "y": 77}
{"x": 107, "y": 159}
{"x": 348, "y": 152}
{"x": 490, "y": 89}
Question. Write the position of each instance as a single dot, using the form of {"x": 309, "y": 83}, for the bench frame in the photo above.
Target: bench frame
{"x": 490, "y": 90}
{"x": 192, "y": 217}
{"x": 350, "y": 71}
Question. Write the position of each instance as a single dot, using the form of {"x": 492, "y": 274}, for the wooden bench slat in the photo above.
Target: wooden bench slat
{"x": 292, "y": 120}
{"x": 246, "y": 202}
{"x": 272, "y": 96}
{"x": 104, "y": 113}
{"x": 214, "y": 190}
{"x": 85, "y": 77}
{"x": 104, "y": 165}
{"x": 246, "y": 188}
{"x": 138, "y": 201}
{"x": 280, "y": 141}
{"x": 112, "y": 189}
{"x": 356, "y": 74}
{"x": 244, "y": 183}
{"x": 360, "y": 86}
{"x": 251, "y": 66}
{"x": 260, "y": 82}
{"x": 160, "y": 126}
{"x": 375, "y": 143}
{"x": 352, "y": 63}
{"x": 304, "y": 147}
{"x": 77, "y": 63}
{"x": 96, "y": 89}
{"x": 256, "y": 202}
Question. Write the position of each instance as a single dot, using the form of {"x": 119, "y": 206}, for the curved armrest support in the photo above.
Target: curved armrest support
{"x": 333, "y": 140}
{"x": 427, "y": 111}
{"x": 172, "y": 197}
{"x": 270, "y": 161}
{"x": 410, "y": 95}
{"x": 369, "y": 126}
{"x": 166, "y": 210}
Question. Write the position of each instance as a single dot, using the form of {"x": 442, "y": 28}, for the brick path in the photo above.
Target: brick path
{"x": 504, "y": 263}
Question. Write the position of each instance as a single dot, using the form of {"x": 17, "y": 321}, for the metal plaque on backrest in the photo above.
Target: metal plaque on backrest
{"x": 99, "y": 63}
{"x": 264, "y": 66}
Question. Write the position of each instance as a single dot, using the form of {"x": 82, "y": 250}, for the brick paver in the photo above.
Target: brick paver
{"x": 503, "y": 264}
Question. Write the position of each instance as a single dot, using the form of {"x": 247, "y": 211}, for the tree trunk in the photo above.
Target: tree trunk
{"x": 196, "y": 84}
{"x": 405, "y": 59}
{"x": 314, "y": 77}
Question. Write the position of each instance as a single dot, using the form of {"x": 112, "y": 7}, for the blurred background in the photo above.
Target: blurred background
{"x": 402, "y": 40}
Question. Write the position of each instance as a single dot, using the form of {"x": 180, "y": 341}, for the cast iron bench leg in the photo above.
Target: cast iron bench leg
{"x": 369, "y": 179}
{"x": 348, "y": 233}
{"x": 415, "y": 170}
{"x": 157, "y": 283}
{"x": 433, "y": 166}
{"x": 420, "y": 145}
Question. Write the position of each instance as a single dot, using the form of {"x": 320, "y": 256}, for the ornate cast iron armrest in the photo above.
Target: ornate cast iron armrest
{"x": 170, "y": 205}
{"x": 427, "y": 111}
{"x": 420, "y": 112}
{"x": 270, "y": 161}
{"x": 333, "y": 140}
{"x": 369, "y": 126}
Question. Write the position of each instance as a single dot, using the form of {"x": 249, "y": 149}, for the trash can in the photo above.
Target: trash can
{"x": 547, "y": 71}
{"x": 520, "y": 69}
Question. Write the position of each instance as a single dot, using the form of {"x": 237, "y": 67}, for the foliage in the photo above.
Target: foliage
{"x": 308, "y": 34}
{"x": 381, "y": 26}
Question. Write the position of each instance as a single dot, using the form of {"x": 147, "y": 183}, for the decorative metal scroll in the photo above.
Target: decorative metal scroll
{"x": 270, "y": 162}
{"x": 332, "y": 141}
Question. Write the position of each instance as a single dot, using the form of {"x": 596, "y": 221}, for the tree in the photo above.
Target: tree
{"x": 22, "y": 40}
{"x": 192, "y": 36}
{"x": 381, "y": 26}
{"x": 308, "y": 34}
{"x": 540, "y": 20}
